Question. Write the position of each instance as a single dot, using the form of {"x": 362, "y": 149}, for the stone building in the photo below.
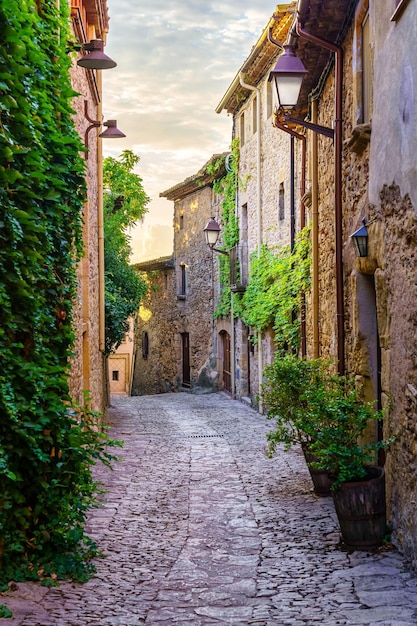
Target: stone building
{"x": 175, "y": 327}
{"x": 265, "y": 203}
{"x": 120, "y": 364}
{"x": 360, "y": 57}
{"x": 90, "y": 21}
{"x": 365, "y": 315}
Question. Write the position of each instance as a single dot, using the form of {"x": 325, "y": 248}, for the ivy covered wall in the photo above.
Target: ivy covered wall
{"x": 45, "y": 484}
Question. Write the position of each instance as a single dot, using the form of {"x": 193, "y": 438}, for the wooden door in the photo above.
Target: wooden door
{"x": 186, "y": 379}
{"x": 227, "y": 371}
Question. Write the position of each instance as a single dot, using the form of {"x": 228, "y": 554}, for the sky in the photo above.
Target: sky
{"x": 175, "y": 61}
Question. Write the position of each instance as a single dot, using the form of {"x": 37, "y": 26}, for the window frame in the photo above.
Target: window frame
{"x": 399, "y": 8}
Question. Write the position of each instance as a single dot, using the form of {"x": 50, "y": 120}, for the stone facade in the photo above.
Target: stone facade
{"x": 89, "y": 21}
{"x": 393, "y": 238}
{"x": 175, "y": 328}
{"x": 264, "y": 197}
{"x": 157, "y": 351}
{"x": 379, "y": 291}
{"x": 367, "y": 319}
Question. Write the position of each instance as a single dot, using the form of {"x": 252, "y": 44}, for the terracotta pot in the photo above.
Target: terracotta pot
{"x": 361, "y": 510}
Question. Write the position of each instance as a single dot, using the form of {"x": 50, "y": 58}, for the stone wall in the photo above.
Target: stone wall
{"x": 393, "y": 193}
{"x": 179, "y": 307}
{"x": 266, "y": 211}
{"x": 379, "y": 183}
{"x": 156, "y": 366}
{"x": 87, "y": 364}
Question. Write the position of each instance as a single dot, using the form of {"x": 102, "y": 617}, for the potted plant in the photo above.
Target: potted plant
{"x": 295, "y": 394}
{"x": 358, "y": 484}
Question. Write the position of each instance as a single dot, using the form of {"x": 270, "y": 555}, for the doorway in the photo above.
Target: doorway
{"x": 186, "y": 378}
{"x": 368, "y": 330}
{"x": 227, "y": 371}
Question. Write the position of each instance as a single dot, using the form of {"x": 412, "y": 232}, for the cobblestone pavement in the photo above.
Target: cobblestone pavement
{"x": 198, "y": 527}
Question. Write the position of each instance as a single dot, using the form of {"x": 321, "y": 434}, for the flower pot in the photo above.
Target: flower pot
{"x": 320, "y": 478}
{"x": 361, "y": 510}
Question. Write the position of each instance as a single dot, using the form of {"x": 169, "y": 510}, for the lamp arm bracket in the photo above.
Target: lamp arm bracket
{"x": 88, "y": 118}
{"x": 317, "y": 128}
{"x": 220, "y": 251}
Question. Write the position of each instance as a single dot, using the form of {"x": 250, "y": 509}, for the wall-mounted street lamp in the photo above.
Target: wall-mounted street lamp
{"x": 111, "y": 132}
{"x": 287, "y": 77}
{"x": 212, "y": 232}
{"x": 287, "y": 73}
{"x": 96, "y": 59}
{"x": 360, "y": 240}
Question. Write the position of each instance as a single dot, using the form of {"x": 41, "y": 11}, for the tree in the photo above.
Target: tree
{"x": 125, "y": 202}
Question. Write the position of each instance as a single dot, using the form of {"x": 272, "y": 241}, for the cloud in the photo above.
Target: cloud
{"x": 175, "y": 62}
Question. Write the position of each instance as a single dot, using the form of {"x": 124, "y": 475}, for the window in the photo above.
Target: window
{"x": 115, "y": 375}
{"x": 362, "y": 64}
{"x": 181, "y": 222}
{"x": 145, "y": 345}
{"x": 367, "y": 77}
{"x": 254, "y": 115}
{"x": 281, "y": 202}
{"x": 242, "y": 129}
{"x": 182, "y": 282}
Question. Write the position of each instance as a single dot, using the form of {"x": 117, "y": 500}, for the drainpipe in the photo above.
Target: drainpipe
{"x": 303, "y": 4}
{"x": 258, "y": 208}
{"x": 100, "y": 225}
{"x": 292, "y": 193}
{"x": 302, "y": 138}
{"x": 315, "y": 233}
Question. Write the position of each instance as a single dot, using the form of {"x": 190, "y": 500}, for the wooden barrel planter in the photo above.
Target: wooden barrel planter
{"x": 320, "y": 478}
{"x": 361, "y": 510}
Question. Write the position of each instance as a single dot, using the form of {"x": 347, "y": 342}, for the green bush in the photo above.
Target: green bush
{"x": 324, "y": 413}
{"x": 295, "y": 394}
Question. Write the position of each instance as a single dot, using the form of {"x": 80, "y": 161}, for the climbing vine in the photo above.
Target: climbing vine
{"x": 278, "y": 278}
{"x": 47, "y": 446}
{"x": 227, "y": 187}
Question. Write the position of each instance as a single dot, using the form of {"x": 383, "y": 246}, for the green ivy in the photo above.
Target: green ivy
{"x": 46, "y": 450}
{"x": 227, "y": 186}
{"x": 278, "y": 278}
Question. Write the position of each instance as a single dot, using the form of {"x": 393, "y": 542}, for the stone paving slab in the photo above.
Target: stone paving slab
{"x": 198, "y": 527}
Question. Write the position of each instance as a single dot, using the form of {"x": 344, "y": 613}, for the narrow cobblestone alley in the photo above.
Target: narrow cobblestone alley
{"x": 198, "y": 527}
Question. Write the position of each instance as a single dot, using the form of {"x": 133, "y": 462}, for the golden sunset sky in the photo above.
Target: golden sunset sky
{"x": 175, "y": 60}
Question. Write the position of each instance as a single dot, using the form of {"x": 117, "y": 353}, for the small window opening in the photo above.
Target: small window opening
{"x": 183, "y": 284}
{"x": 242, "y": 129}
{"x": 281, "y": 202}
{"x": 145, "y": 344}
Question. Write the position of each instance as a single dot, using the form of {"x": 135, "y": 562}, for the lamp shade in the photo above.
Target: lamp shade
{"x": 287, "y": 77}
{"x": 111, "y": 132}
{"x": 96, "y": 59}
{"x": 211, "y": 232}
{"x": 360, "y": 240}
